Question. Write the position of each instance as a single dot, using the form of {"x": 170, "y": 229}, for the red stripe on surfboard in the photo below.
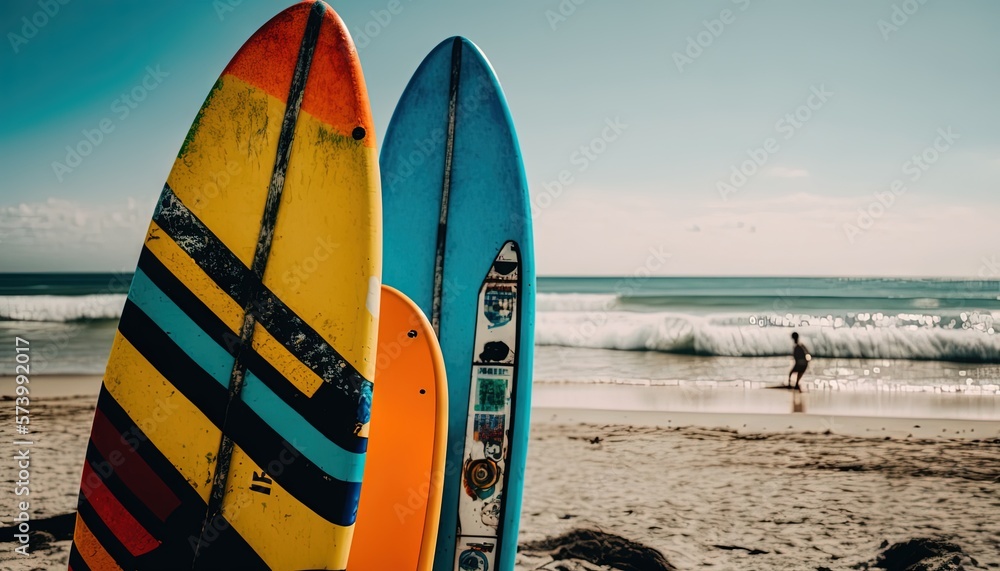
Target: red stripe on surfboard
{"x": 132, "y": 470}
{"x": 89, "y": 550}
{"x": 129, "y": 532}
{"x": 335, "y": 91}
{"x": 267, "y": 60}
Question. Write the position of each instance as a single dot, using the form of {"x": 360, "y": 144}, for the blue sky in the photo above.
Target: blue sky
{"x": 829, "y": 101}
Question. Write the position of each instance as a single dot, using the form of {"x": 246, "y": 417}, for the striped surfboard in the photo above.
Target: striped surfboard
{"x": 231, "y": 427}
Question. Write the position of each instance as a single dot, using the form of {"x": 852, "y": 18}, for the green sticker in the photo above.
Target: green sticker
{"x": 492, "y": 394}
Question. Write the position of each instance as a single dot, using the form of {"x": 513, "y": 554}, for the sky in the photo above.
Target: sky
{"x": 710, "y": 138}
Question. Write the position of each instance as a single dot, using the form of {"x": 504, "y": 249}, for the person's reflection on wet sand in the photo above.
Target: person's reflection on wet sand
{"x": 798, "y": 402}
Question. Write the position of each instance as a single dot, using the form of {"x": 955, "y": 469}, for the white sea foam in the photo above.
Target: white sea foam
{"x": 61, "y": 309}
{"x": 840, "y": 385}
{"x": 680, "y": 333}
{"x": 575, "y": 301}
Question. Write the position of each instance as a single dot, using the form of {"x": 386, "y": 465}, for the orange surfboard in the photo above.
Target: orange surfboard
{"x": 401, "y": 492}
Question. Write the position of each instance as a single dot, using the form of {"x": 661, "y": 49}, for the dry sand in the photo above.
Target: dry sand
{"x": 745, "y": 498}
{"x": 726, "y": 491}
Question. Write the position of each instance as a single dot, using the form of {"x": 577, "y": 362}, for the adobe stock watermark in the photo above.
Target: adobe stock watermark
{"x": 987, "y": 273}
{"x": 380, "y": 20}
{"x": 213, "y": 188}
{"x": 916, "y": 166}
{"x": 32, "y": 24}
{"x": 563, "y": 12}
{"x": 121, "y": 107}
{"x": 363, "y": 35}
{"x": 133, "y": 440}
{"x": 214, "y": 529}
{"x": 787, "y": 127}
{"x": 474, "y": 95}
{"x": 990, "y": 268}
{"x": 713, "y": 29}
{"x": 416, "y": 498}
{"x": 582, "y": 158}
{"x": 224, "y": 7}
{"x": 390, "y": 349}
{"x": 417, "y": 157}
{"x": 305, "y": 268}
{"x": 901, "y": 14}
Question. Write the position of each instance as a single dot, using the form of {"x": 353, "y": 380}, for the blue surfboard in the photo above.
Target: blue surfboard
{"x": 458, "y": 242}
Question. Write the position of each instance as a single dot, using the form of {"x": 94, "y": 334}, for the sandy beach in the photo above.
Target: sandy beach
{"x": 763, "y": 495}
{"x": 719, "y": 490}
{"x": 671, "y": 286}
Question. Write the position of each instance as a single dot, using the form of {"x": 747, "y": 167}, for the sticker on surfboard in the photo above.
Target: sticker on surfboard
{"x": 487, "y": 438}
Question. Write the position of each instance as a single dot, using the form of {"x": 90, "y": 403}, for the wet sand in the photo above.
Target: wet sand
{"x": 820, "y": 403}
{"x": 719, "y": 490}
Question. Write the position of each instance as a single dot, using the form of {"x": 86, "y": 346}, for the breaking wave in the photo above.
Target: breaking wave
{"x": 575, "y": 301}
{"x": 61, "y": 309}
{"x": 965, "y": 337}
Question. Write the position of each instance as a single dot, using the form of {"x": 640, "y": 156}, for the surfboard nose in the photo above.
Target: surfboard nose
{"x": 335, "y": 91}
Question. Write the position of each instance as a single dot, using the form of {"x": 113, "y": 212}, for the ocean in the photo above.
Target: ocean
{"x": 864, "y": 334}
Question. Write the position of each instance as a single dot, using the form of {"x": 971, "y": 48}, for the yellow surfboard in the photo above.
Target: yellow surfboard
{"x": 232, "y": 425}
{"x": 401, "y": 495}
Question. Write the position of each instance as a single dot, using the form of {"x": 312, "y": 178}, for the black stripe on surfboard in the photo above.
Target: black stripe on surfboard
{"x": 263, "y": 251}
{"x": 185, "y": 523}
{"x": 449, "y": 149}
{"x": 76, "y": 562}
{"x": 141, "y": 445}
{"x": 184, "y": 520}
{"x": 332, "y": 499}
{"x": 103, "y": 534}
{"x": 327, "y": 410}
{"x": 229, "y": 273}
{"x": 104, "y": 470}
{"x": 219, "y": 550}
{"x": 219, "y": 263}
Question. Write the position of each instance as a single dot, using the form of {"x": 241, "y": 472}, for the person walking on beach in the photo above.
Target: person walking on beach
{"x": 802, "y": 358}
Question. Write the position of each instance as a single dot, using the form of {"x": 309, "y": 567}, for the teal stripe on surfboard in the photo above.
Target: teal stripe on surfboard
{"x": 216, "y": 361}
{"x": 197, "y": 344}
{"x": 332, "y": 459}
